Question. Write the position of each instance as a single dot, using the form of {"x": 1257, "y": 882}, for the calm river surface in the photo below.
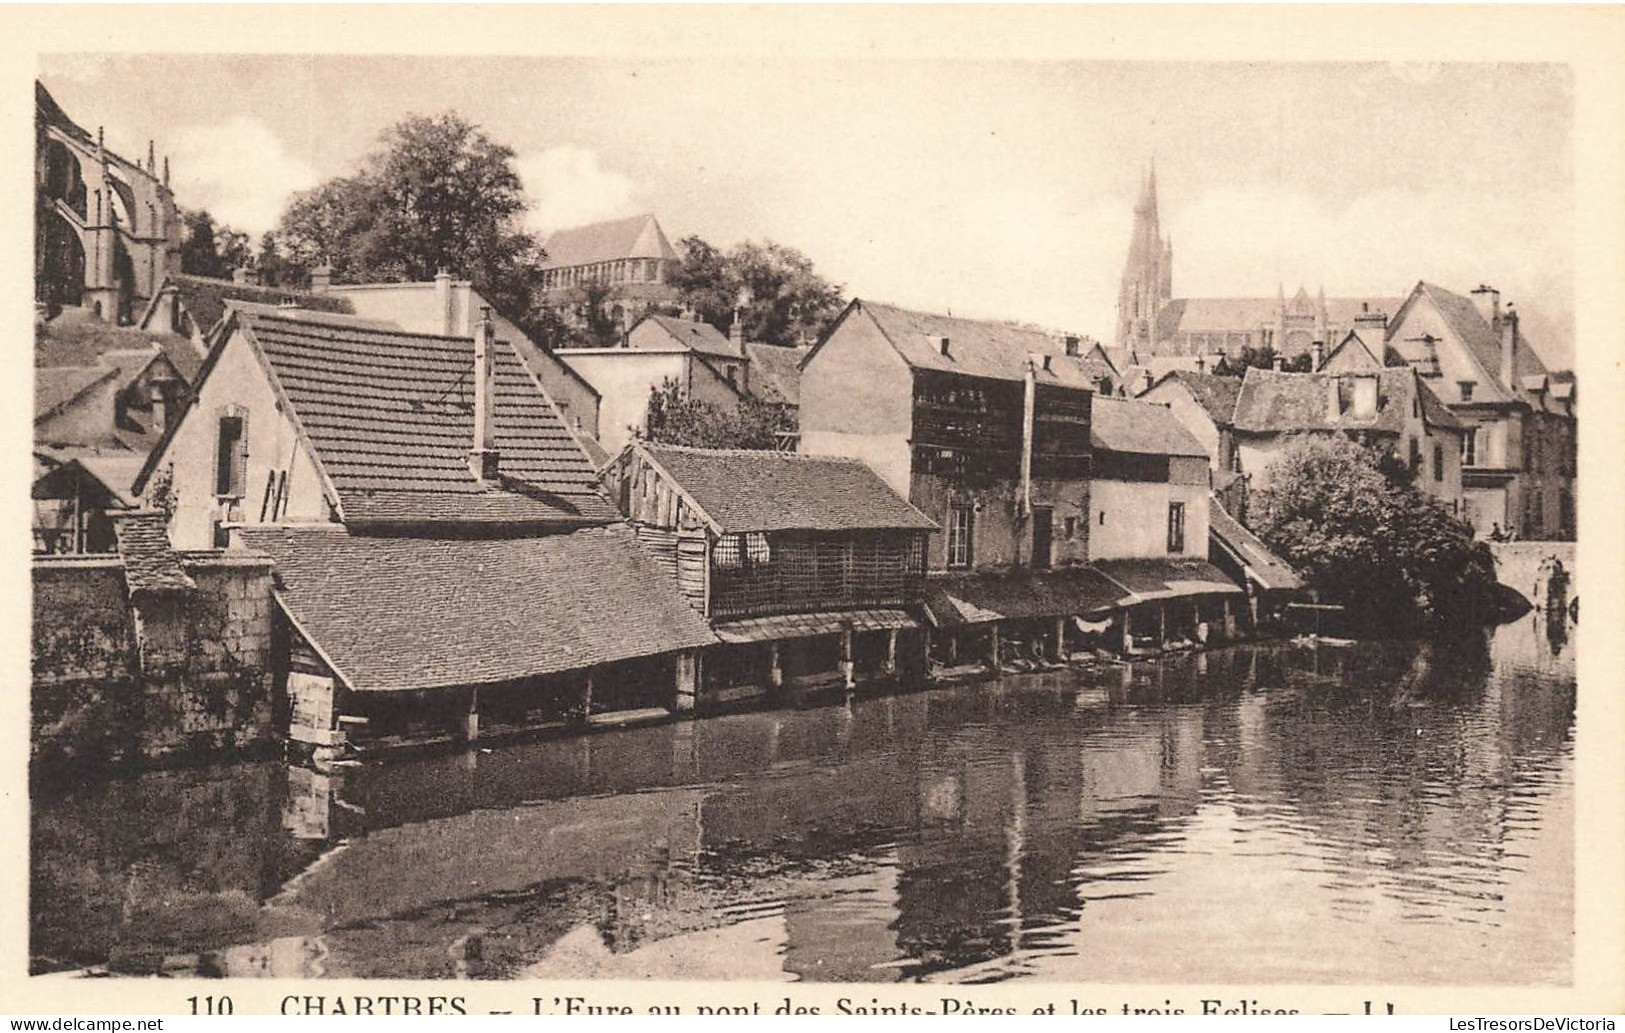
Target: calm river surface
{"x": 1387, "y": 812}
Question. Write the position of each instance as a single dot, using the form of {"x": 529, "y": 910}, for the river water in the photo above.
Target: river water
{"x": 1380, "y": 813}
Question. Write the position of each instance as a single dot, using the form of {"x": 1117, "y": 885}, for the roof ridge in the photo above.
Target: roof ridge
{"x": 749, "y": 452}
{"x": 285, "y": 316}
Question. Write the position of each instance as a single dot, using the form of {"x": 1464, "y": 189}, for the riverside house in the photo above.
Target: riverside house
{"x": 809, "y": 568}
{"x": 444, "y": 555}
{"x": 992, "y": 430}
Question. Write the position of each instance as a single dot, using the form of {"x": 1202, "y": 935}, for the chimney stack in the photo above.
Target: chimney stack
{"x": 1072, "y": 344}
{"x": 482, "y": 458}
{"x": 321, "y": 279}
{"x": 736, "y": 330}
{"x": 1509, "y": 344}
{"x": 1488, "y": 302}
{"x": 442, "y": 300}
{"x": 1319, "y": 356}
{"x": 1278, "y": 363}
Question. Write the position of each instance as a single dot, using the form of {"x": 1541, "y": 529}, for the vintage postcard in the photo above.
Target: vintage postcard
{"x": 960, "y": 510}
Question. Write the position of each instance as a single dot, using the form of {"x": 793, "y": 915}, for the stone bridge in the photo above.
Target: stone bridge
{"x": 1527, "y": 568}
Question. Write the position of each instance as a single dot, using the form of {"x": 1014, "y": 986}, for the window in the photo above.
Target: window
{"x": 1071, "y": 525}
{"x": 1469, "y": 447}
{"x": 1416, "y": 457}
{"x": 961, "y": 524}
{"x": 1176, "y": 527}
{"x": 1466, "y": 387}
{"x": 1438, "y": 462}
{"x": 230, "y": 457}
{"x": 1043, "y": 534}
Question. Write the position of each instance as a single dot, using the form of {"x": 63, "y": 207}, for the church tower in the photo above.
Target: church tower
{"x": 1147, "y": 275}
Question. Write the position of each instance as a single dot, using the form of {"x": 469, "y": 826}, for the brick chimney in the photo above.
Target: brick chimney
{"x": 1488, "y": 302}
{"x": 736, "y": 331}
{"x": 442, "y": 301}
{"x": 321, "y": 279}
{"x": 1509, "y": 344}
{"x": 483, "y": 457}
{"x": 1319, "y": 356}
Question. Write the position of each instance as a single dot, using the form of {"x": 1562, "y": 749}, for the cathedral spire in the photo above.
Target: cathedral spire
{"x": 1147, "y": 274}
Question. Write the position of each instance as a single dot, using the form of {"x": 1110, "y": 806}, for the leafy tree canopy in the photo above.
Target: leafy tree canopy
{"x": 784, "y": 299}
{"x": 1261, "y": 358}
{"x": 209, "y": 248}
{"x": 1349, "y": 518}
{"x": 437, "y": 194}
{"x": 675, "y": 420}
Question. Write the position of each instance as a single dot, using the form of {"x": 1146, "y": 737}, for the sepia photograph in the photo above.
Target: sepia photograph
{"x": 785, "y": 517}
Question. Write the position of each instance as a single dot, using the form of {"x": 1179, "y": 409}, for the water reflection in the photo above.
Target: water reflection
{"x": 1389, "y": 811}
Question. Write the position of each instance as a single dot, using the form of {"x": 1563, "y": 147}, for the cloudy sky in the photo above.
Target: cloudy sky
{"x": 998, "y": 189}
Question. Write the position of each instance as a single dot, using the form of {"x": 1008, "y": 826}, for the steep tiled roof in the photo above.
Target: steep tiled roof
{"x": 395, "y": 614}
{"x": 1215, "y": 394}
{"x": 975, "y": 347}
{"x": 391, "y": 417}
{"x": 695, "y": 335}
{"x": 1481, "y": 339}
{"x": 953, "y": 600}
{"x": 150, "y": 565}
{"x": 775, "y": 372}
{"x": 637, "y": 237}
{"x": 102, "y": 480}
{"x": 1272, "y": 402}
{"x": 784, "y": 491}
{"x": 76, "y": 339}
{"x": 57, "y": 386}
{"x": 206, "y": 298}
{"x": 1269, "y": 571}
{"x": 1434, "y": 411}
{"x": 1126, "y": 425}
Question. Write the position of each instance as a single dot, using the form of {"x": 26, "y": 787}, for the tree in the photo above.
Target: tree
{"x": 784, "y": 299}
{"x": 1262, "y": 357}
{"x": 675, "y": 420}
{"x": 437, "y": 194}
{"x": 209, "y": 248}
{"x": 1348, "y": 517}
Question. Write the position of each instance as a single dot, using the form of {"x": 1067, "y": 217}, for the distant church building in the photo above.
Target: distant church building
{"x": 1152, "y": 322}
{"x": 630, "y": 260}
{"x": 106, "y": 229}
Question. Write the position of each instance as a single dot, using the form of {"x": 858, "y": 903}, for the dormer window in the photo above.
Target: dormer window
{"x": 1466, "y": 387}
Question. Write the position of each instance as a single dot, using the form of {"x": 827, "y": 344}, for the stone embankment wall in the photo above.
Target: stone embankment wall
{"x": 161, "y": 675}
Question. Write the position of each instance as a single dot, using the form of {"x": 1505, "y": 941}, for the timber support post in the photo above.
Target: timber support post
{"x": 686, "y": 676}
{"x": 1162, "y": 625}
{"x": 1060, "y": 637}
{"x": 470, "y": 726}
{"x": 891, "y": 652}
{"x": 775, "y": 672}
{"x": 993, "y": 645}
{"x": 1128, "y": 630}
{"x": 848, "y": 667}
{"x": 584, "y": 707}
{"x": 1229, "y": 620}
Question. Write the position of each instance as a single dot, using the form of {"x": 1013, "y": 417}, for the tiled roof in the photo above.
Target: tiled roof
{"x": 637, "y": 237}
{"x": 808, "y": 625}
{"x": 150, "y": 565}
{"x": 975, "y": 347}
{"x": 1481, "y": 339}
{"x": 76, "y": 339}
{"x": 1272, "y": 402}
{"x": 205, "y": 298}
{"x": 695, "y": 335}
{"x": 102, "y": 480}
{"x": 1269, "y": 571}
{"x": 953, "y": 600}
{"x": 391, "y": 417}
{"x": 785, "y": 491}
{"x": 775, "y": 372}
{"x": 395, "y": 614}
{"x": 1126, "y": 425}
{"x": 1215, "y": 394}
{"x": 1147, "y": 579}
{"x": 1434, "y": 411}
{"x": 57, "y": 386}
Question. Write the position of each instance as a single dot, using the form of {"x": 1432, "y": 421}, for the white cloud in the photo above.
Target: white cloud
{"x": 239, "y": 170}
{"x": 567, "y": 186}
